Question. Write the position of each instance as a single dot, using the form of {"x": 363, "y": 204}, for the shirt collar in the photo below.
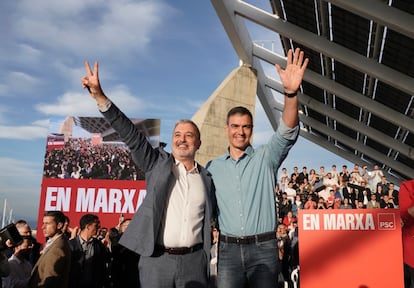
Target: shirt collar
{"x": 248, "y": 152}
{"x": 82, "y": 241}
{"x": 195, "y": 170}
{"x": 51, "y": 240}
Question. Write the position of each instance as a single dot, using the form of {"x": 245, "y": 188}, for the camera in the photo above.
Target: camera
{"x": 10, "y": 233}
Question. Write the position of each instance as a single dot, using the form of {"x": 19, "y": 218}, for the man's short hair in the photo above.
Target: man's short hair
{"x": 239, "y": 110}
{"x": 87, "y": 219}
{"x": 58, "y": 216}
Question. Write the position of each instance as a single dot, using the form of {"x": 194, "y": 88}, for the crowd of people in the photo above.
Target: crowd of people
{"x": 195, "y": 221}
{"x": 85, "y": 255}
{"x": 80, "y": 159}
{"x": 333, "y": 189}
{"x": 355, "y": 188}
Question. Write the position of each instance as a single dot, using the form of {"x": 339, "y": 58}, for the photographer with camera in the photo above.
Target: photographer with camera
{"x": 20, "y": 266}
{"x": 9, "y": 238}
{"x": 4, "y": 267}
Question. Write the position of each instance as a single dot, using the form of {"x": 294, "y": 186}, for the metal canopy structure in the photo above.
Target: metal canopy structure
{"x": 357, "y": 95}
{"x": 150, "y": 127}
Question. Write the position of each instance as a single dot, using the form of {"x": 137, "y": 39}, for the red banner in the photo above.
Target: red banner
{"x": 105, "y": 198}
{"x": 55, "y": 141}
{"x": 350, "y": 248}
{"x": 88, "y": 169}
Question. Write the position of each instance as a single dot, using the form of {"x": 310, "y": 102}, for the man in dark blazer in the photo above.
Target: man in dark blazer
{"x": 171, "y": 229}
{"x": 52, "y": 268}
{"x": 89, "y": 256}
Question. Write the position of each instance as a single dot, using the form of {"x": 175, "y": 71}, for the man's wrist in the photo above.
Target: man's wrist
{"x": 103, "y": 107}
{"x": 291, "y": 95}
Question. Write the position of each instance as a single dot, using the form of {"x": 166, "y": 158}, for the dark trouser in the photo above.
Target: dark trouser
{"x": 168, "y": 271}
{"x": 408, "y": 276}
{"x": 248, "y": 265}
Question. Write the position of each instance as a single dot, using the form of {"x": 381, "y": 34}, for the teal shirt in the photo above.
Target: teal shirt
{"x": 245, "y": 188}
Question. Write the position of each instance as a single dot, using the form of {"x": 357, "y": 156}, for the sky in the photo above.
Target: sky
{"x": 157, "y": 59}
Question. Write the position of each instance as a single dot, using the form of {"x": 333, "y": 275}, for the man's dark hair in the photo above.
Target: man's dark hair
{"x": 87, "y": 219}
{"x": 114, "y": 236}
{"x": 58, "y": 216}
{"x": 239, "y": 110}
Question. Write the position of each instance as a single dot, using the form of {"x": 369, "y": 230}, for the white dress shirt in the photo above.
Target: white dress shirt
{"x": 184, "y": 213}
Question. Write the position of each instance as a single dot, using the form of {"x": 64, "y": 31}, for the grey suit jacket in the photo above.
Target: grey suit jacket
{"x": 141, "y": 234}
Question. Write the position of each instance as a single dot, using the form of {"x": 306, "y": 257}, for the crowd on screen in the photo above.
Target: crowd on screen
{"x": 115, "y": 266}
{"x": 80, "y": 159}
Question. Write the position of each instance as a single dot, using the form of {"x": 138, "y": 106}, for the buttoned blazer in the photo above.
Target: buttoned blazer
{"x": 141, "y": 234}
{"x": 52, "y": 268}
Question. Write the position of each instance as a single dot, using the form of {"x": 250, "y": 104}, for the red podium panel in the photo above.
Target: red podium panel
{"x": 349, "y": 248}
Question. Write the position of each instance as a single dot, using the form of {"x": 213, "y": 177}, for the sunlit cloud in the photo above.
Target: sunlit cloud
{"x": 119, "y": 27}
{"x": 82, "y": 104}
{"x": 18, "y": 82}
{"x": 23, "y": 132}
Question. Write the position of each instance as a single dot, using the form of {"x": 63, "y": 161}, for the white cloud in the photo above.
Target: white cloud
{"x": 23, "y": 132}
{"x": 69, "y": 104}
{"x": 21, "y": 83}
{"x": 38, "y": 129}
{"x": 28, "y": 54}
{"x": 81, "y": 104}
{"x": 72, "y": 74}
{"x": 14, "y": 189}
{"x": 42, "y": 122}
{"x": 98, "y": 27}
{"x": 4, "y": 89}
{"x": 13, "y": 168}
{"x": 3, "y": 110}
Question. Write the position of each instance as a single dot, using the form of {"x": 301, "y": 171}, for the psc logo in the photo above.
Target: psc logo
{"x": 386, "y": 221}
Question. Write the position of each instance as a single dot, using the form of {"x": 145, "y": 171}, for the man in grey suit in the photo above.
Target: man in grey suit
{"x": 171, "y": 229}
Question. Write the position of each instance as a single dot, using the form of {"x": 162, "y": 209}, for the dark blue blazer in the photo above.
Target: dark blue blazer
{"x": 98, "y": 277}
